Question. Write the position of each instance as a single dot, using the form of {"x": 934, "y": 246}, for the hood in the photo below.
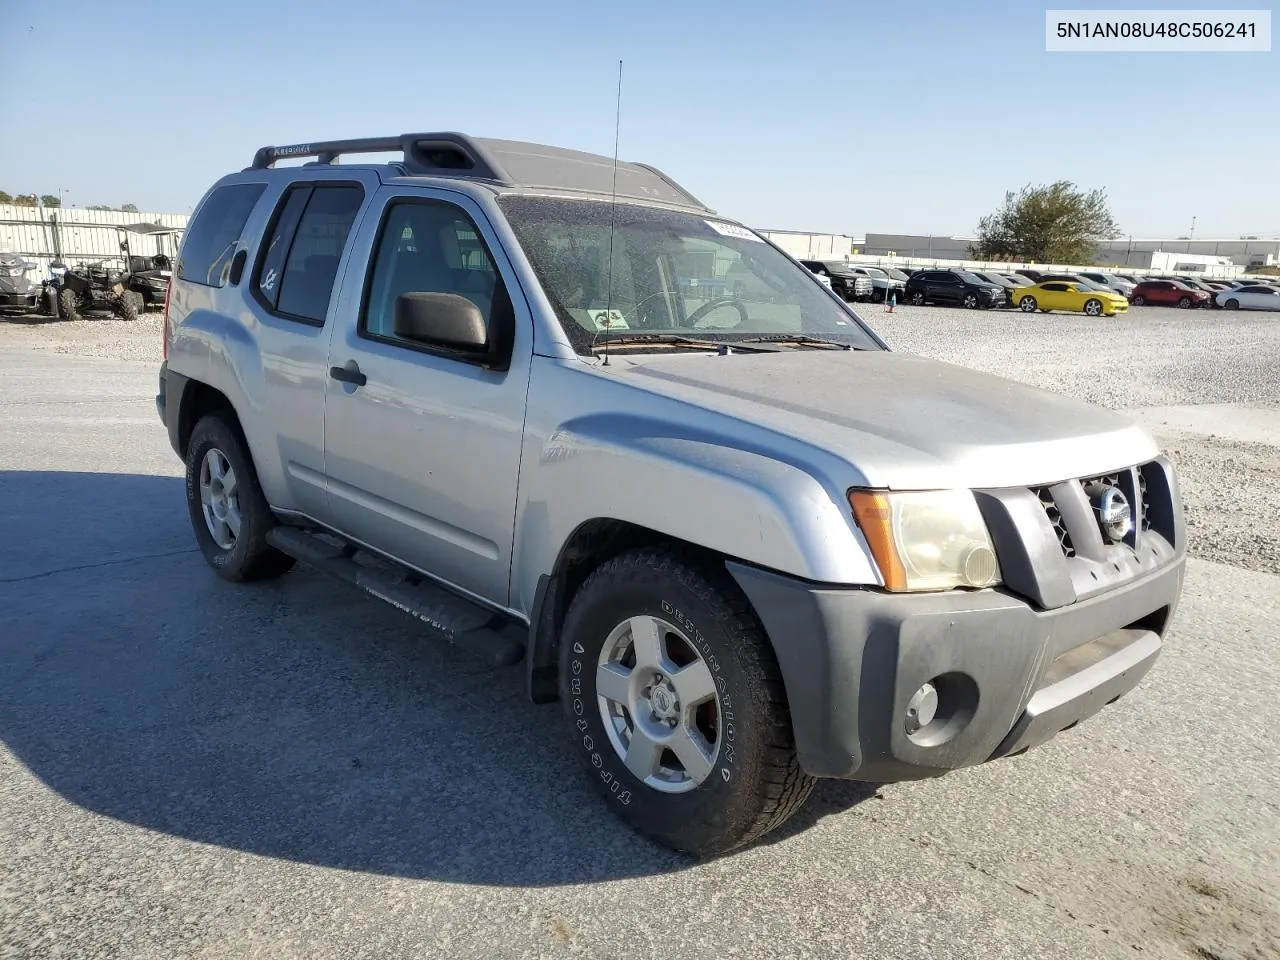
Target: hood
{"x": 906, "y": 422}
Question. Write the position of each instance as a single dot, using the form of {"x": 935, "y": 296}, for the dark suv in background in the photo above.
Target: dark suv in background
{"x": 954, "y": 286}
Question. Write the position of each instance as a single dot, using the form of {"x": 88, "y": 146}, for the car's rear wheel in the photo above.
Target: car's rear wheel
{"x": 970, "y": 301}
{"x": 1139, "y": 300}
{"x": 1233, "y": 304}
{"x": 1184, "y": 303}
{"x": 229, "y": 513}
{"x": 1093, "y": 307}
{"x": 675, "y": 702}
{"x": 1027, "y": 304}
{"x": 917, "y": 298}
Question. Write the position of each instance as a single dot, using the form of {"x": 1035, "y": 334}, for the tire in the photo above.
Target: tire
{"x": 1232, "y": 304}
{"x": 1027, "y": 304}
{"x": 970, "y": 301}
{"x": 1093, "y": 308}
{"x": 741, "y": 777}
{"x": 1139, "y": 300}
{"x": 1184, "y": 303}
{"x": 125, "y": 306}
{"x": 918, "y": 298}
{"x": 236, "y": 549}
{"x": 69, "y": 304}
{"x": 50, "y": 299}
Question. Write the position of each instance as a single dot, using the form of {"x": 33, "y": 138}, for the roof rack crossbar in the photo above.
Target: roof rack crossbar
{"x": 456, "y": 153}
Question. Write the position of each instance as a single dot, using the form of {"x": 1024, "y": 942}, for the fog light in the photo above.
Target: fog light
{"x": 940, "y": 709}
{"x": 922, "y": 708}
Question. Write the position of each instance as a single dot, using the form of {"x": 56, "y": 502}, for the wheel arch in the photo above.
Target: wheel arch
{"x": 592, "y": 543}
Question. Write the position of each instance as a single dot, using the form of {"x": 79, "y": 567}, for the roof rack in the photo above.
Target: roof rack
{"x": 508, "y": 162}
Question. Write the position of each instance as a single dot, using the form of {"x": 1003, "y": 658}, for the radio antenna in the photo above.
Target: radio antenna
{"x": 613, "y": 218}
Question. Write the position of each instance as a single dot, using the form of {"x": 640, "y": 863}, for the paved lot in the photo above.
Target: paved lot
{"x": 192, "y": 769}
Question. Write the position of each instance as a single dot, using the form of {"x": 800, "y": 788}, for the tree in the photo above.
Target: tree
{"x": 5, "y": 198}
{"x": 128, "y": 208}
{"x": 49, "y": 200}
{"x": 25, "y": 200}
{"x": 1056, "y": 223}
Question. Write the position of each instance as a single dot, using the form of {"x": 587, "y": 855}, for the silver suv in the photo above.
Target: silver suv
{"x": 568, "y": 416}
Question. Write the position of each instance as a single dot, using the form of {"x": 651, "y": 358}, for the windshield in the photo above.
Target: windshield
{"x": 673, "y": 273}
{"x": 971, "y": 277}
{"x": 896, "y": 274}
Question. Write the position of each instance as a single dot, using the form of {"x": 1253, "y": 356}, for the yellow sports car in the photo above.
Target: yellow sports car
{"x": 1062, "y": 295}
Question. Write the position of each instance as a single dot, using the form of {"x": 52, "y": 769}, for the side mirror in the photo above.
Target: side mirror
{"x": 441, "y": 320}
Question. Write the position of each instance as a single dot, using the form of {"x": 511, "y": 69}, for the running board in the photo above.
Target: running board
{"x": 445, "y": 614}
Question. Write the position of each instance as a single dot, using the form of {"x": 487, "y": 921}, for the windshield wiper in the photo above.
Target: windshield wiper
{"x": 623, "y": 339}
{"x": 800, "y": 338}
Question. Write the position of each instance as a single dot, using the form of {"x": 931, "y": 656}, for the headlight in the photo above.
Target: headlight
{"x": 926, "y": 540}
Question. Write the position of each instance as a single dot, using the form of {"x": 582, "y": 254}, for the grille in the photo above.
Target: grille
{"x": 1142, "y": 495}
{"x": 1055, "y": 518}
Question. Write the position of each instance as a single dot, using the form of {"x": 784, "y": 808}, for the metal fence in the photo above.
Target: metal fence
{"x": 75, "y": 236}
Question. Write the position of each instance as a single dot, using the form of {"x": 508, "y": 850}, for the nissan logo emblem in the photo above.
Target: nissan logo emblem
{"x": 1115, "y": 517}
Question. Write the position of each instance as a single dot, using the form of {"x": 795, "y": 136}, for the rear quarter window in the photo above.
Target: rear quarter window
{"x": 213, "y": 234}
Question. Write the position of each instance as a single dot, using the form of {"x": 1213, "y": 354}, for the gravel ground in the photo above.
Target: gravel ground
{"x": 195, "y": 769}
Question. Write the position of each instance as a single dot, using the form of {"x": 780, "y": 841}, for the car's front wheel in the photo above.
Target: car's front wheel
{"x": 970, "y": 301}
{"x": 229, "y": 513}
{"x": 917, "y": 298}
{"x": 1093, "y": 308}
{"x": 1139, "y": 300}
{"x": 675, "y": 702}
{"x": 1184, "y": 303}
{"x": 1027, "y": 304}
{"x": 1233, "y": 304}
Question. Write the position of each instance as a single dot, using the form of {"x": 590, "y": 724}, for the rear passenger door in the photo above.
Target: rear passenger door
{"x": 945, "y": 287}
{"x": 422, "y": 448}
{"x": 295, "y": 271}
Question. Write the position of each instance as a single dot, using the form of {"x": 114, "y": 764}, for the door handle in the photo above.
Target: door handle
{"x": 350, "y": 375}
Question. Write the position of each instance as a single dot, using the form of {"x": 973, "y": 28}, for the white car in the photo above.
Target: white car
{"x": 1257, "y": 296}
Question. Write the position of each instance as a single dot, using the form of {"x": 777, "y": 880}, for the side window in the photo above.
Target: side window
{"x": 283, "y": 225}
{"x": 212, "y": 236}
{"x": 305, "y": 256}
{"x": 1055, "y": 287}
{"x": 428, "y": 247}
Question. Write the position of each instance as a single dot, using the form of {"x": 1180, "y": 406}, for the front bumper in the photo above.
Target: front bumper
{"x": 1011, "y": 675}
{"x": 19, "y": 301}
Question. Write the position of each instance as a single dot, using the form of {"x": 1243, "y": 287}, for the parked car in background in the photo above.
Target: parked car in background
{"x": 902, "y": 276}
{"x": 1256, "y": 296}
{"x": 1032, "y": 275}
{"x": 1111, "y": 281}
{"x": 954, "y": 286}
{"x": 849, "y": 285}
{"x": 884, "y": 286}
{"x": 1169, "y": 293}
{"x": 1017, "y": 279}
{"x": 998, "y": 280}
{"x": 1049, "y": 295}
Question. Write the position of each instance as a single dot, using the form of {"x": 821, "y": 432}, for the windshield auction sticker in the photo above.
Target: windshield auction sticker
{"x": 732, "y": 230}
{"x": 608, "y": 319}
{"x": 1155, "y": 31}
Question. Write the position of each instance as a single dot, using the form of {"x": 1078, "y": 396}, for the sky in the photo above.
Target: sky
{"x": 886, "y": 117}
